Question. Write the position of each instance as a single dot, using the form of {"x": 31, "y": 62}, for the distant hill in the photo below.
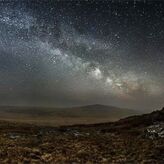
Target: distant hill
{"x": 65, "y": 116}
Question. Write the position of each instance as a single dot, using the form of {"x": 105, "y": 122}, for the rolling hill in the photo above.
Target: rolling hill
{"x": 65, "y": 116}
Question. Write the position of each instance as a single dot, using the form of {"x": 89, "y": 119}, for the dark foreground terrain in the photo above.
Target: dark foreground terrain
{"x": 137, "y": 139}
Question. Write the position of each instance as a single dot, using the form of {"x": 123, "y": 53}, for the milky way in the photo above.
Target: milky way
{"x": 66, "y": 53}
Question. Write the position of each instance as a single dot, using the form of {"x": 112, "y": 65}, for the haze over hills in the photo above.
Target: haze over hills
{"x": 65, "y": 116}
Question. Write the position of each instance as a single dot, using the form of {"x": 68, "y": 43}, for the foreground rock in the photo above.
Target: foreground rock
{"x": 155, "y": 131}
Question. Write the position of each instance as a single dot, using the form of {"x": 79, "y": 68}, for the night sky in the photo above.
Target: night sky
{"x": 68, "y": 53}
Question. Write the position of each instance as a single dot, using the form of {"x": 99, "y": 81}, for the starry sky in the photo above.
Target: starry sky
{"x": 68, "y": 53}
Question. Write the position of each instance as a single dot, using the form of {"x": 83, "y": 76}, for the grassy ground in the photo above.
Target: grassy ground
{"x": 102, "y": 143}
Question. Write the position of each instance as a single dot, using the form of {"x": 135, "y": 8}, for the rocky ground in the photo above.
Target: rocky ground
{"x": 138, "y": 139}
